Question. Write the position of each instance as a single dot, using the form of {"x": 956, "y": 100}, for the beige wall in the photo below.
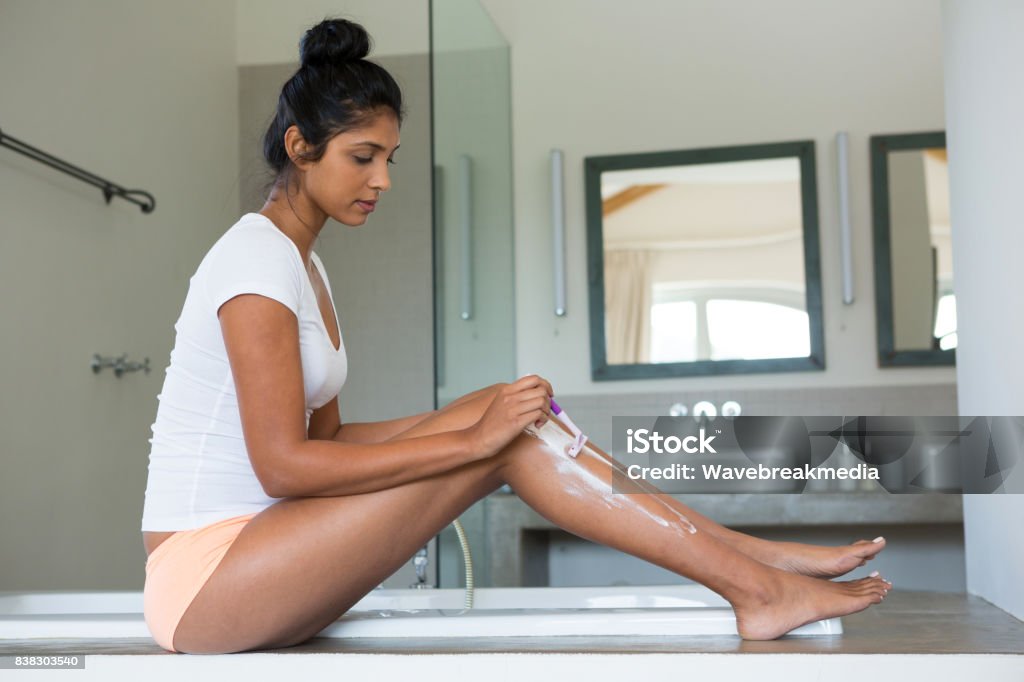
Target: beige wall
{"x": 147, "y": 95}
{"x": 143, "y": 94}
{"x": 663, "y": 74}
{"x": 269, "y": 30}
{"x": 985, "y": 147}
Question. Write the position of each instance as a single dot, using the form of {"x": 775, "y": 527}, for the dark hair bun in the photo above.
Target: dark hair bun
{"x": 334, "y": 41}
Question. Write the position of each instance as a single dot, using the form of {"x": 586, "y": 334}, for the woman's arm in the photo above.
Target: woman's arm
{"x": 324, "y": 468}
{"x": 325, "y": 423}
{"x": 377, "y": 432}
{"x": 320, "y": 468}
{"x": 261, "y": 336}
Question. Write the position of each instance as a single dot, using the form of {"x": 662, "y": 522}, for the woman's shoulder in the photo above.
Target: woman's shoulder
{"x": 255, "y": 239}
{"x": 255, "y": 228}
{"x": 253, "y": 256}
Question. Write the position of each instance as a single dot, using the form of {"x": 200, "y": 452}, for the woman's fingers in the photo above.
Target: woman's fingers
{"x": 535, "y": 380}
{"x": 529, "y": 399}
{"x": 528, "y": 405}
{"x": 533, "y": 400}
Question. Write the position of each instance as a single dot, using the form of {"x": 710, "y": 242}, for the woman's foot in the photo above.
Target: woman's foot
{"x": 788, "y": 601}
{"x": 813, "y": 560}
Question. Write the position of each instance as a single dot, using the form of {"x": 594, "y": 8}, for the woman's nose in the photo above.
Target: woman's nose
{"x": 381, "y": 180}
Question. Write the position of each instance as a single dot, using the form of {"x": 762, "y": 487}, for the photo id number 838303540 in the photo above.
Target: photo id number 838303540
{"x": 52, "y": 661}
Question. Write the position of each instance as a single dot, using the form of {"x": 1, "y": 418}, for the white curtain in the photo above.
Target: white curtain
{"x": 627, "y": 305}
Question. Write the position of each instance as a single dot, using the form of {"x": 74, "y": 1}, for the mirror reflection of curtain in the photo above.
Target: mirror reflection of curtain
{"x": 627, "y": 296}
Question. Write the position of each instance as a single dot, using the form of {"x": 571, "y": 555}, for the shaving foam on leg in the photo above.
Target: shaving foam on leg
{"x": 554, "y": 437}
{"x": 643, "y": 486}
{"x": 579, "y": 476}
{"x": 641, "y": 492}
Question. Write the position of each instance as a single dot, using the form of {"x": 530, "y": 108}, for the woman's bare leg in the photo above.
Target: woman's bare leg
{"x": 304, "y": 561}
{"x": 812, "y": 560}
{"x": 576, "y": 494}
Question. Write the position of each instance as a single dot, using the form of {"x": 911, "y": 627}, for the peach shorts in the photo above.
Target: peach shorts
{"x": 178, "y": 568}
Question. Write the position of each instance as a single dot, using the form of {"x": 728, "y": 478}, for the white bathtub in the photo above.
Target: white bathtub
{"x": 672, "y": 610}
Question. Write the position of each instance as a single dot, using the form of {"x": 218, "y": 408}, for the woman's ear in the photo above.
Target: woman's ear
{"x": 296, "y": 148}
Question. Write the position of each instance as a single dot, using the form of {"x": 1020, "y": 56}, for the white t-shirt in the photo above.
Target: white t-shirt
{"x": 199, "y": 468}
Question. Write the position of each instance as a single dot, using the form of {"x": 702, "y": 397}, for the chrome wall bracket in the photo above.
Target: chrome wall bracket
{"x": 120, "y": 365}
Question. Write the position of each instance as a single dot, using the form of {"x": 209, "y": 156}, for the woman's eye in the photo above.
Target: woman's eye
{"x": 365, "y": 160}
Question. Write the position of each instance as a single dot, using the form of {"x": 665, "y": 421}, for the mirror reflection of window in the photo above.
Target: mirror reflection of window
{"x": 924, "y": 305}
{"x": 704, "y": 262}
{"x": 753, "y": 330}
{"x": 735, "y": 326}
{"x": 674, "y": 331}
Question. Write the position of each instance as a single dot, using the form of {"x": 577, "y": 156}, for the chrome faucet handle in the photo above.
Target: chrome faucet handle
{"x": 419, "y": 562}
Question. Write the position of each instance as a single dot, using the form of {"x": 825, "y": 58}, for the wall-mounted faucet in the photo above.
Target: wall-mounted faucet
{"x": 731, "y": 408}
{"x": 420, "y": 562}
{"x": 706, "y": 409}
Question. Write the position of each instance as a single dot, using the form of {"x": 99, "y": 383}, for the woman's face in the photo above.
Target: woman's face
{"x": 347, "y": 181}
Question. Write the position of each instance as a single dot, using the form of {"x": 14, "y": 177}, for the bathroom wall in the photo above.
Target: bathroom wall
{"x": 662, "y": 75}
{"x": 985, "y": 148}
{"x": 148, "y": 95}
{"x": 269, "y": 31}
{"x": 145, "y": 95}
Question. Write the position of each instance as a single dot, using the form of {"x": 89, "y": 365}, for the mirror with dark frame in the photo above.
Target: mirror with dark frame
{"x": 704, "y": 261}
{"x": 915, "y": 304}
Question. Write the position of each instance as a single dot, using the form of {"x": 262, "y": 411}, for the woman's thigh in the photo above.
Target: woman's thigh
{"x": 302, "y": 562}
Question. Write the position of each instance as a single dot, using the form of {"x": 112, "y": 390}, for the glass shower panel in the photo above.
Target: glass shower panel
{"x": 474, "y": 286}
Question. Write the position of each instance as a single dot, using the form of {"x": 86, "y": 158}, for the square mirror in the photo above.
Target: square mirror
{"x": 914, "y": 300}
{"x": 704, "y": 261}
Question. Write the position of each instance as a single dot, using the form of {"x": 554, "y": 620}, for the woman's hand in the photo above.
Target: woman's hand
{"x": 515, "y": 406}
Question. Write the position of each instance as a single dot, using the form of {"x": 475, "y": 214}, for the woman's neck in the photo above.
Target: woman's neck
{"x": 299, "y": 220}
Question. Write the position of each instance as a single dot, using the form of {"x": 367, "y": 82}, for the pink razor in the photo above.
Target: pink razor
{"x": 574, "y": 448}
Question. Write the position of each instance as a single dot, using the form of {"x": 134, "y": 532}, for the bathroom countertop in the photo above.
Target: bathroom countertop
{"x": 905, "y": 623}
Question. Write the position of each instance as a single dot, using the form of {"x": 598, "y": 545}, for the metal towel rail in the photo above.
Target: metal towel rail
{"x": 108, "y": 188}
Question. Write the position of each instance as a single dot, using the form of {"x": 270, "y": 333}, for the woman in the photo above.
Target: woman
{"x": 266, "y": 518}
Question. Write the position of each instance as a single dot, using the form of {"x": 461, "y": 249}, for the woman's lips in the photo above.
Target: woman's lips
{"x": 367, "y": 206}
